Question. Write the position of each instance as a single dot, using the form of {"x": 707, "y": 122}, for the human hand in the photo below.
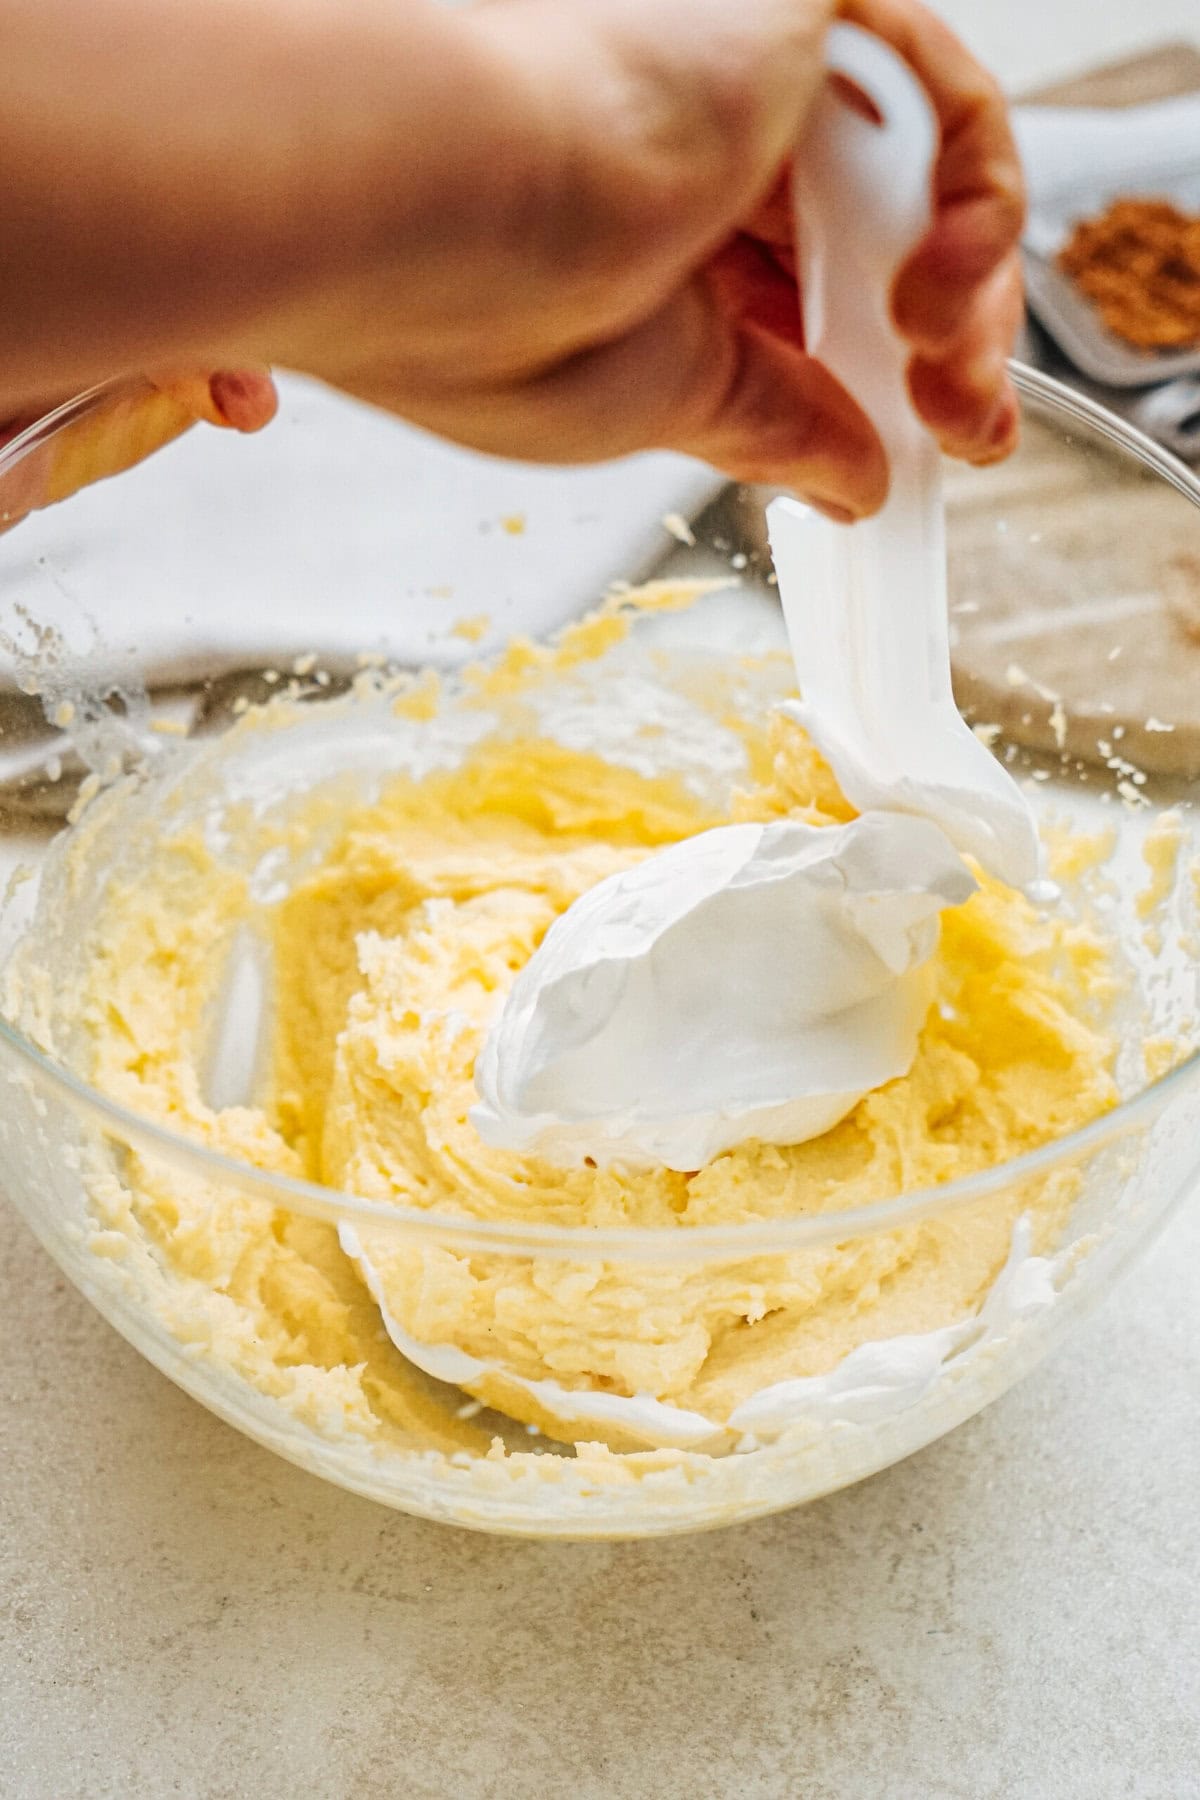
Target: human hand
{"x": 553, "y": 232}
{"x": 634, "y": 287}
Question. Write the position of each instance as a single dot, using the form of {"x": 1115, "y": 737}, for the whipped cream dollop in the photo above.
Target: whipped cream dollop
{"x": 754, "y": 981}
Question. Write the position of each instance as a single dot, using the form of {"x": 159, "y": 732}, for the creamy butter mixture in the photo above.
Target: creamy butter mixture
{"x": 390, "y": 953}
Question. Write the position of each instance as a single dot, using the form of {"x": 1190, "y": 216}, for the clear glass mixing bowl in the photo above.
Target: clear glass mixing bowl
{"x": 141, "y": 617}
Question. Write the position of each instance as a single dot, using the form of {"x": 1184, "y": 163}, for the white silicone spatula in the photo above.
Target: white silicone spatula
{"x": 866, "y": 605}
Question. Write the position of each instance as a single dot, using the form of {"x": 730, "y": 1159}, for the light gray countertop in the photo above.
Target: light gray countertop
{"x": 1013, "y": 1613}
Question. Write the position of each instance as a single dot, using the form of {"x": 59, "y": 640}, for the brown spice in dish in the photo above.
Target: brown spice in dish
{"x": 1139, "y": 261}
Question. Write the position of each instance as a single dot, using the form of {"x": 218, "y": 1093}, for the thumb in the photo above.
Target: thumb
{"x": 718, "y": 371}
{"x": 756, "y": 405}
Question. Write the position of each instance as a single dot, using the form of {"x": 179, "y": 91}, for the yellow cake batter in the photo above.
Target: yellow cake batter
{"x": 392, "y": 954}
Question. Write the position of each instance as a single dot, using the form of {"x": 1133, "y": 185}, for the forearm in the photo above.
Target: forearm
{"x": 176, "y": 182}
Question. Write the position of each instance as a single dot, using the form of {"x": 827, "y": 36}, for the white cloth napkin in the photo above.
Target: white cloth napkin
{"x": 336, "y": 530}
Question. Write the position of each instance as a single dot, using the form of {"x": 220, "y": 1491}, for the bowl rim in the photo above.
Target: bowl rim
{"x": 676, "y": 1244}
